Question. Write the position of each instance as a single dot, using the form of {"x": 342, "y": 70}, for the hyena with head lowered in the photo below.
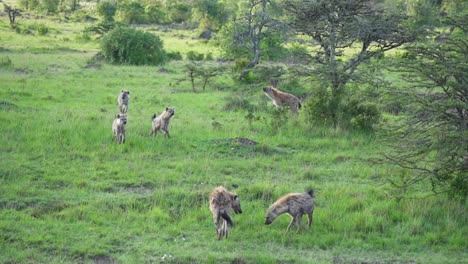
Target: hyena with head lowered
{"x": 118, "y": 128}
{"x": 123, "y": 99}
{"x": 221, "y": 203}
{"x": 161, "y": 122}
{"x": 279, "y": 98}
{"x": 294, "y": 204}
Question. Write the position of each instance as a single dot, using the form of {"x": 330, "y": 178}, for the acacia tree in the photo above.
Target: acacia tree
{"x": 432, "y": 141}
{"x": 337, "y": 25}
{"x": 12, "y": 13}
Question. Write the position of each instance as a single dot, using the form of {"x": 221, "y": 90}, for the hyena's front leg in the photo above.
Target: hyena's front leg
{"x": 293, "y": 220}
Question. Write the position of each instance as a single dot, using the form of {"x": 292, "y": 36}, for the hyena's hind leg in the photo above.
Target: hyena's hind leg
{"x": 166, "y": 132}
{"x": 299, "y": 222}
{"x": 310, "y": 218}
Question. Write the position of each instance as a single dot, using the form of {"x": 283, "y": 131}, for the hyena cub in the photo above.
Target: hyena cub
{"x": 161, "y": 122}
{"x": 118, "y": 128}
{"x": 221, "y": 203}
{"x": 123, "y": 100}
{"x": 294, "y": 204}
{"x": 279, "y": 98}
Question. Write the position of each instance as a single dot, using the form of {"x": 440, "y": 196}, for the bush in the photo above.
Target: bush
{"x": 41, "y": 29}
{"x": 195, "y": 56}
{"x": 362, "y": 115}
{"x": 124, "y": 45}
{"x": 5, "y": 62}
{"x": 316, "y": 107}
{"x": 175, "y": 55}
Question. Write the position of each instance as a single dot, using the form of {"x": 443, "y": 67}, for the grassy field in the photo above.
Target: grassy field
{"x": 69, "y": 194}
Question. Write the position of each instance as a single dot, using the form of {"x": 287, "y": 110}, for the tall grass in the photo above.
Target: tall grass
{"x": 70, "y": 194}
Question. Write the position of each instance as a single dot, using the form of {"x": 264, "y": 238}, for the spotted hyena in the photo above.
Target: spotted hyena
{"x": 123, "y": 99}
{"x": 221, "y": 203}
{"x": 161, "y": 122}
{"x": 118, "y": 128}
{"x": 294, "y": 204}
{"x": 280, "y": 98}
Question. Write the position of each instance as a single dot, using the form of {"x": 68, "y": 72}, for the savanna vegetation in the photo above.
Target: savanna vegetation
{"x": 381, "y": 136}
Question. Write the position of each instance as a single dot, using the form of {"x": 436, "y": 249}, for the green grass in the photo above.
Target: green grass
{"x": 70, "y": 194}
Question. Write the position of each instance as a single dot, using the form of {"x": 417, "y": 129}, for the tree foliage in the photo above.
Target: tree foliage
{"x": 433, "y": 140}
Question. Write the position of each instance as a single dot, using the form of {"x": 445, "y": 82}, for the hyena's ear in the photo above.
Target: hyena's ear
{"x": 154, "y": 116}
{"x": 122, "y": 91}
{"x": 167, "y": 108}
{"x": 117, "y": 116}
{"x": 128, "y": 92}
{"x": 236, "y": 197}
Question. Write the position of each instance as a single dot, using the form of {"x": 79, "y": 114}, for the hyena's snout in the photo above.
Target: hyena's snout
{"x": 239, "y": 211}
{"x": 265, "y": 89}
{"x": 268, "y": 220}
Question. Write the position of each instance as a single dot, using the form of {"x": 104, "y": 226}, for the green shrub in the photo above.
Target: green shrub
{"x": 209, "y": 56}
{"x": 175, "y": 55}
{"x": 195, "y": 56}
{"x": 5, "y": 62}
{"x": 316, "y": 107}
{"x": 362, "y": 115}
{"x": 123, "y": 45}
{"x": 41, "y": 29}
{"x": 240, "y": 64}
{"x": 240, "y": 102}
{"x": 269, "y": 73}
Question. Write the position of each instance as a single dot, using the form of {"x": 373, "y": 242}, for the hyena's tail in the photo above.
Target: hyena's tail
{"x": 227, "y": 218}
{"x": 154, "y": 116}
{"x": 310, "y": 192}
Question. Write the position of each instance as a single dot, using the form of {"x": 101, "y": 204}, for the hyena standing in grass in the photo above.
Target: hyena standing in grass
{"x": 221, "y": 203}
{"x": 123, "y": 100}
{"x": 279, "y": 98}
{"x": 294, "y": 204}
{"x": 118, "y": 128}
{"x": 161, "y": 122}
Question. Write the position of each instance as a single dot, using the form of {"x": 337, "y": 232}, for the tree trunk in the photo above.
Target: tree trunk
{"x": 252, "y": 63}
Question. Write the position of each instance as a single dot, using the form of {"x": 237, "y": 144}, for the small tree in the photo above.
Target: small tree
{"x": 432, "y": 141}
{"x": 204, "y": 72}
{"x": 12, "y": 13}
{"x": 123, "y": 45}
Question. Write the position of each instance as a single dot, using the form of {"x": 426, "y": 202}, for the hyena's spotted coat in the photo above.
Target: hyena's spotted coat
{"x": 162, "y": 121}
{"x": 280, "y": 98}
{"x": 123, "y": 100}
{"x": 294, "y": 204}
{"x": 221, "y": 203}
{"x": 118, "y": 128}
